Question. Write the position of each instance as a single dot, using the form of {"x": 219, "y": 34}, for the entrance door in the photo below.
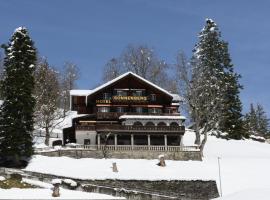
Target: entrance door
{"x": 87, "y": 142}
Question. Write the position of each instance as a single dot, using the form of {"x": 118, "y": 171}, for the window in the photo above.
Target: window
{"x": 121, "y": 93}
{"x": 174, "y": 124}
{"x": 149, "y": 124}
{"x": 168, "y": 110}
{"x": 152, "y": 97}
{"x": 120, "y": 109}
{"x": 138, "y": 109}
{"x": 137, "y": 123}
{"x": 162, "y": 124}
{"x": 155, "y": 110}
{"x": 138, "y": 93}
{"x": 103, "y": 109}
{"x": 106, "y": 96}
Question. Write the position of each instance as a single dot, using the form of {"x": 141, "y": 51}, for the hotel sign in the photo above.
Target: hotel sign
{"x": 129, "y": 98}
{"x": 122, "y": 98}
{"x": 106, "y": 101}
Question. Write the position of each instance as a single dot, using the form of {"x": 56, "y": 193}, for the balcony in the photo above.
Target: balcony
{"x": 134, "y": 129}
{"x": 116, "y": 115}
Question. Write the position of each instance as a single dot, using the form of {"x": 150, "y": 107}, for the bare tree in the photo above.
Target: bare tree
{"x": 111, "y": 70}
{"x": 143, "y": 61}
{"x": 69, "y": 76}
{"x": 47, "y": 93}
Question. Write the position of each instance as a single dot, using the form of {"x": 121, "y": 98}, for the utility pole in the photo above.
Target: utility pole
{"x": 220, "y": 187}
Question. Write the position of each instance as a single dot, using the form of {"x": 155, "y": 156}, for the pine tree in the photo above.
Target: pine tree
{"x": 256, "y": 121}
{"x": 251, "y": 120}
{"x": 262, "y": 120}
{"x": 16, "y": 118}
{"x": 216, "y": 82}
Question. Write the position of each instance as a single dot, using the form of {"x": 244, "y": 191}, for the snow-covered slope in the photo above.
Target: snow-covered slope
{"x": 244, "y": 166}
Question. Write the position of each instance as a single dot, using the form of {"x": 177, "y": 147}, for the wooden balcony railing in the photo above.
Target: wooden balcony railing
{"x": 115, "y": 115}
{"x": 129, "y": 128}
{"x": 139, "y": 148}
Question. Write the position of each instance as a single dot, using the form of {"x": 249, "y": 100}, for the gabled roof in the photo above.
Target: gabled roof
{"x": 133, "y": 74}
{"x": 89, "y": 92}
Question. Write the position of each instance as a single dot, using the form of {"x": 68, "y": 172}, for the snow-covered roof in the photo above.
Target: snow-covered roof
{"x": 80, "y": 92}
{"x": 152, "y": 117}
{"x": 176, "y": 97}
{"x": 126, "y": 74}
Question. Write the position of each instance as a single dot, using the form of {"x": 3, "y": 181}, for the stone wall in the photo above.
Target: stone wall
{"x": 142, "y": 189}
{"x": 86, "y": 153}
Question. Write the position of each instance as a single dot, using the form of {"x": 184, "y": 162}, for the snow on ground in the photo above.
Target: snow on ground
{"x": 244, "y": 166}
{"x": 138, "y": 169}
{"x": 46, "y": 193}
{"x": 41, "y": 193}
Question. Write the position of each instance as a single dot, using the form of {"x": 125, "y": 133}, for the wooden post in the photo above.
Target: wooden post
{"x": 56, "y": 187}
{"x": 114, "y": 167}
{"x": 98, "y": 141}
{"x": 149, "y": 141}
{"x": 165, "y": 142}
{"x": 132, "y": 141}
{"x": 161, "y": 161}
{"x": 115, "y": 141}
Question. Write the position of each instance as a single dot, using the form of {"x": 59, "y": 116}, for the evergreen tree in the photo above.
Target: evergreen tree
{"x": 216, "y": 82}
{"x": 16, "y": 118}
{"x": 256, "y": 120}
{"x": 262, "y": 120}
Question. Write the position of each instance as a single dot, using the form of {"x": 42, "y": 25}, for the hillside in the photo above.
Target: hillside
{"x": 244, "y": 166}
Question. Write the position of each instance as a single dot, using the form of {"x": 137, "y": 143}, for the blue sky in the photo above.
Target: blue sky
{"x": 89, "y": 33}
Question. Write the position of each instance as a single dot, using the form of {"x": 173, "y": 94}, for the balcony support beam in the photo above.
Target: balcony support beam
{"x": 148, "y": 141}
{"x": 132, "y": 141}
{"x": 115, "y": 141}
{"x": 98, "y": 140}
{"x": 165, "y": 142}
{"x": 181, "y": 141}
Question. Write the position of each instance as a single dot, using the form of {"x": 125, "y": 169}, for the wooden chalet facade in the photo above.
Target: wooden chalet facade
{"x": 128, "y": 113}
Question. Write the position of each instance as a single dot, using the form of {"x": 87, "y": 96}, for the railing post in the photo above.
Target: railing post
{"x": 148, "y": 141}
{"x": 115, "y": 141}
{"x": 98, "y": 141}
{"x": 132, "y": 141}
{"x": 165, "y": 142}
